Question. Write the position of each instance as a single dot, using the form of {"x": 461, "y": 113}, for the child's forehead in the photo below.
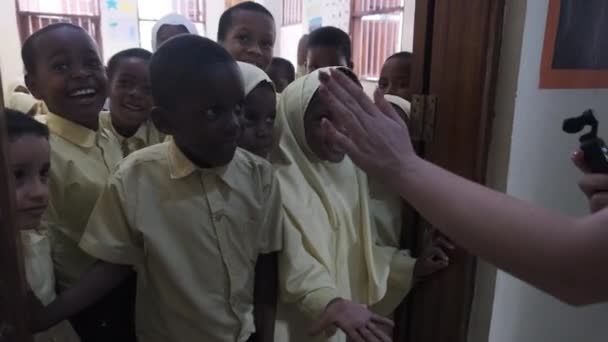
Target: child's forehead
{"x": 245, "y": 17}
{"x": 65, "y": 39}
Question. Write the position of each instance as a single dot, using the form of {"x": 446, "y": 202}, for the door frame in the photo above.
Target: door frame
{"x": 456, "y": 53}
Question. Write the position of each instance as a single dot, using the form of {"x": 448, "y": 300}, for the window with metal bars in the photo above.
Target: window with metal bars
{"x": 292, "y": 12}
{"x": 150, "y": 11}
{"x": 376, "y": 29}
{"x": 32, "y": 15}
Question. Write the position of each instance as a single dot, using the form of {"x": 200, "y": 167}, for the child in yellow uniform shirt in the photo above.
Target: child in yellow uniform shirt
{"x": 248, "y": 31}
{"x": 282, "y": 73}
{"x": 333, "y": 261}
{"x": 259, "y": 111}
{"x": 130, "y": 101}
{"x": 64, "y": 70}
{"x": 192, "y": 214}
{"x": 395, "y": 75}
{"x": 328, "y": 46}
{"x": 257, "y": 130}
{"x": 29, "y": 162}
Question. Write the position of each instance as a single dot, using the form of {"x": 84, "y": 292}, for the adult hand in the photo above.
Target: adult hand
{"x": 358, "y": 323}
{"x": 373, "y": 135}
{"x": 594, "y": 186}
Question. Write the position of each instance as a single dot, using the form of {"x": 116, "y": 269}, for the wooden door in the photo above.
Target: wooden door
{"x": 12, "y": 278}
{"x": 456, "y": 49}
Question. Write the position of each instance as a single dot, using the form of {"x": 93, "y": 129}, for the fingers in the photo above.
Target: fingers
{"x": 368, "y": 335}
{"x": 592, "y": 184}
{"x": 381, "y": 334}
{"x": 377, "y": 319}
{"x": 320, "y": 325}
{"x": 598, "y": 201}
{"x": 385, "y": 107}
{"x": 356, "y": 93}
{"x": 578, "y": 159}
{"x": 341, "y": 114}
{"x": 342, "y": 95}
{"x": 339, "y": 138}
{"x": 444, "y": 243}
{"x": 353, "y": 335}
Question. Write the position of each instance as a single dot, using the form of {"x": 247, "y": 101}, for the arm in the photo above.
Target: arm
{"x": 96, "y": 283}
{"x": 517, "y": 230}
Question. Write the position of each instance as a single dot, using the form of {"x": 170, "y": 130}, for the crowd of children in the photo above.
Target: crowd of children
{"x": 207, "y": 201}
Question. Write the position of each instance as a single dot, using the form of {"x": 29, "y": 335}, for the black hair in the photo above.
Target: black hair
{"x": 404, "y": 55}
{"x": 285, "y": 66}
{"x": 19, "y": 124}
{"x": 179, "y": 64}
{"x": 28, "y": 51}
{"x": 124, "y": 54}
{"x": 329, "y": 36}
{"x": 226, "y": 18}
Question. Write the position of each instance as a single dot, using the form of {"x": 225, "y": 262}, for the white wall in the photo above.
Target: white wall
{"x": 10, "y": 45}
{"x": 539, "y": 171}
{"x": 215, "y": 8}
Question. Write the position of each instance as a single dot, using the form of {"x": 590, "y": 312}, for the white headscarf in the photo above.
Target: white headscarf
{"x": 175, "y": 20}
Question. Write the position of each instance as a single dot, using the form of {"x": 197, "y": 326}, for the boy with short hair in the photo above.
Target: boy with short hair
{"x": 282, "y": 73}
{"x": 248, "y": 31}
{"x": 193, "y": 214}
{"x": 395, "y": 75}
{"x": 328, "y": 46}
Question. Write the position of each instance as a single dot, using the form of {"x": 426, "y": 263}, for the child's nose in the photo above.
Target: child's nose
{"x": 38, "y": 191}
{"x": 255, "y": 49}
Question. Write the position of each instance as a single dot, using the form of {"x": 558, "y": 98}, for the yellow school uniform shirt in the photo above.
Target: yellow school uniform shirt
{"x": 81, "y": 162}
{"x": 193, "y": 235}
{"x": 331, "y": 244}
{"x": 36, "y": 250}
{"x": 146, "y": 135}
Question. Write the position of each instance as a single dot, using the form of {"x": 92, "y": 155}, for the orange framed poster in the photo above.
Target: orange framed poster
{"x": 575, "y": 52}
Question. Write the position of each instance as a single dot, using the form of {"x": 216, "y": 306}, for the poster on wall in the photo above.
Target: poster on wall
{"x": 313, "y": 11}
{"x": 119, "y": 23}
{"x": 575, "y": 52}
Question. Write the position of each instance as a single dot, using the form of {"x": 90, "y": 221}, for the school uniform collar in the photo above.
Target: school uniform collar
{"x": 180, "y": 166}
{"x": 73, "y": 132}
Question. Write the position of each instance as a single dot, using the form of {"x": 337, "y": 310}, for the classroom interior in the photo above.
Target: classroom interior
{"x": 526, "y": 154}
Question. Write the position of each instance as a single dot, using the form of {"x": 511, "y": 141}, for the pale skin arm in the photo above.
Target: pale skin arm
{"x": 561, "y": 255}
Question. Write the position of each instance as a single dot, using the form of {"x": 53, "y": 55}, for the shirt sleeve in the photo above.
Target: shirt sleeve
{"x": 272, "y": 223}
{"x": 110, "y": 235}
{"x": 304, "y": 280}
{"x": 399, "y": 283}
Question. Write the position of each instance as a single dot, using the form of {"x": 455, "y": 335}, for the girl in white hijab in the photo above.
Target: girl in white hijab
{"x": 331, "y": 248}
{"x": 169, "y": 26}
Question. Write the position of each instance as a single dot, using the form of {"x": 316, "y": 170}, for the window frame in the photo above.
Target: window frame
{"x": 93, "y": 19}
{"x": 357, "y": 18}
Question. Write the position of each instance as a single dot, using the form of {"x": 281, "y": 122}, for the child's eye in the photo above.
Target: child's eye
{"x": 270, "y": 120}
{"x": 244, "y": 39}
{"x": 44, "y": 174}
{"x": 93, "y": 63}
{"x": 125, "y": 83}
{"x": 212, "y": 114}
{"x": 61, "y": 67}
{"x": 19, "y": 177}
{"x": 19, "y": 174}
{"x": 382, "y": 84}
{"x": 267, "y": 45}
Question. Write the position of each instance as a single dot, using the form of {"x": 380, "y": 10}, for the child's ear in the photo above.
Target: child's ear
{"x": 32, "y": 86}
{"x": 158, "y": 115}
